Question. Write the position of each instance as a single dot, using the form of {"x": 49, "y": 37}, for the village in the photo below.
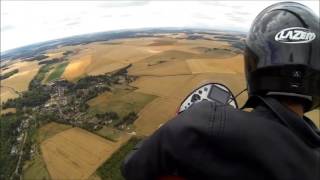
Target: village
{"x": 68, "y": 101}
{"x": 67, "y": 104}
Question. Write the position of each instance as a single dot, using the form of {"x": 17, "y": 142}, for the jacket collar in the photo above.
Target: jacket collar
{"x": 302, "y": 127}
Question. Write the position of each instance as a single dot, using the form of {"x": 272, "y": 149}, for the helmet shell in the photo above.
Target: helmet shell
{"x": 282, "y": 54}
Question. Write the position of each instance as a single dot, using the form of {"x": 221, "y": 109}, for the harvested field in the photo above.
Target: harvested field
{"x": 51, "y": 129}
{"x": 161, "y": 86}
{"x": 163, "y": 42}
{"x": 154, "y": 114}
{"x": 315, "y": 116}
{"x": 7, "y": 93}
{"x": 231, "y": 65}
{"x": 57, "y": 54}
{"x": 159, "y": 68}
{"x": 12, "y": 65}
{"x": 21, "y": 80}
{"x": 77, "y": 67}
{"x": 215, "y": 52}
{"x": 6, "y": 111}
{"x": 100, "y": 58}
{"x": 144, "y": 41}
{"x": 76, "y": 153}
{"x": 198, "y": 66}
{"x": 108, "y": 68}
{"x": 109, "y": 58}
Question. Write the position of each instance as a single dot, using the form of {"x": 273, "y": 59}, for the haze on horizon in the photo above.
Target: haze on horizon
{"x": 28, "y": 22}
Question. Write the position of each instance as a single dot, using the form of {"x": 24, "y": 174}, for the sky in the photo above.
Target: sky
{"x": 28, "y": 22}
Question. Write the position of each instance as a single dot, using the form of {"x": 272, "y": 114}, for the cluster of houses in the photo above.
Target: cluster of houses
{"x": 21, "y": 131}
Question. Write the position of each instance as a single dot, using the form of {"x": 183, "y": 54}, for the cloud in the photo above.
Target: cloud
{"x": 48, "y": 20}
{"x": 107, "y": 16}
{"x": 119, "y": 4}
{"x": 70, "y": 19}
{"x": 203, "y": 16}
{"x": 7, "y": 28}
{"x": 124, "y": 15}
{"x": 214, "y": 3}
{"x": 236, "y": 17}
{"x": 242, "y": 13}
{"x": 73, "y": 23}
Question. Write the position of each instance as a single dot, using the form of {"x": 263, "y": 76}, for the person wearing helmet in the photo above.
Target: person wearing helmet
{"x": 275, "y": 140}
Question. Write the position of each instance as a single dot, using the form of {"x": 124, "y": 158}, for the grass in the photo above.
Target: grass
{"x": 35, "y": 169}
{"x": 57, "y": 72}
{"x": 110, "y": 169}
{"x": 121, "y": 101}
{"x": 50, "y": 130}
{"x": 109, "y": 133}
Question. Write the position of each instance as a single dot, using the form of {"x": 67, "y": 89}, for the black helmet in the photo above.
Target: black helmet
{"x": 282, "y": 55}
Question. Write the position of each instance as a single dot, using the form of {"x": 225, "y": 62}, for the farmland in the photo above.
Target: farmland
{"x": 76, "y": 154}
{"x": 57, "y": 72}
{"x": 97, "y": 94}
{"x": 77, "y": 67}
{"x": 18, "y": 82}
{"x": 51, "y": 129}
{"x": 35, "y": 168}
{"x": 121, "y": 102}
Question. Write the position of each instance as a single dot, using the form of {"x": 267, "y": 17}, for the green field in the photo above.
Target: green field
{"x": 35, "y": 169}
{"x": 50, "y": 130}
{"x": 57, "y": 72}
{"x": 110, "y": 170}
{"x": 120, "y": 101}
{"x": 109, "y": 133}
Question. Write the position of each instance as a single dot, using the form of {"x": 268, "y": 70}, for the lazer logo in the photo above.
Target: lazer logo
{"x": 295, "y": 35}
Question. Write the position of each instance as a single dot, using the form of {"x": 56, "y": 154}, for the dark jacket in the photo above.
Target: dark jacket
{"x": 209, "y": 141}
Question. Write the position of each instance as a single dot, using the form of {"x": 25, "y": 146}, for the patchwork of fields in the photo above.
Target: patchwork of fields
{"x": 166, "y": 70}
{"x": 19, "y": 82}
{"x": 76, "y": 153}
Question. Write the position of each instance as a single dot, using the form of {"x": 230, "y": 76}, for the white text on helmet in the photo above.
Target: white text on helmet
{"x": 295, "y": 35}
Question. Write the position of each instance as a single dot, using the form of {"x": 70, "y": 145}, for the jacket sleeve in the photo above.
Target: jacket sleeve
{"x": 171, "y": 145}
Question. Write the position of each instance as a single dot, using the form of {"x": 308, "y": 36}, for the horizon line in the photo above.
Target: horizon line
{"x": 123, "y": 30}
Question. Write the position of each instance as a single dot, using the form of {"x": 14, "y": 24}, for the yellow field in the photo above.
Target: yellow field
{"x": 77, "y": 66}
{"x": 7, "y": 93}
{"x": 202, "y": 66}
{"x": 161, "y": 86}
{"x": 51, "y": 129}
{"x": 154, "y": 114}
{"x": 76, "y": 153}
{"x": 231, "y": 65}
{"x": 52, "y": 55}
{"x": 8, "y": 110}
{"x": 143, "y": 53}
{"x": 314, "y": 116}
{"x": 167, "y": 70}
{"x": 19, "y": 81}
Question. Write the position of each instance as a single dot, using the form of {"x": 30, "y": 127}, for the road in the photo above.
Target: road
{"x": 16, "y": 172}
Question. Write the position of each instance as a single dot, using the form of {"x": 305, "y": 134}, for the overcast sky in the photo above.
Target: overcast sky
{"x": 27, "y": 22}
